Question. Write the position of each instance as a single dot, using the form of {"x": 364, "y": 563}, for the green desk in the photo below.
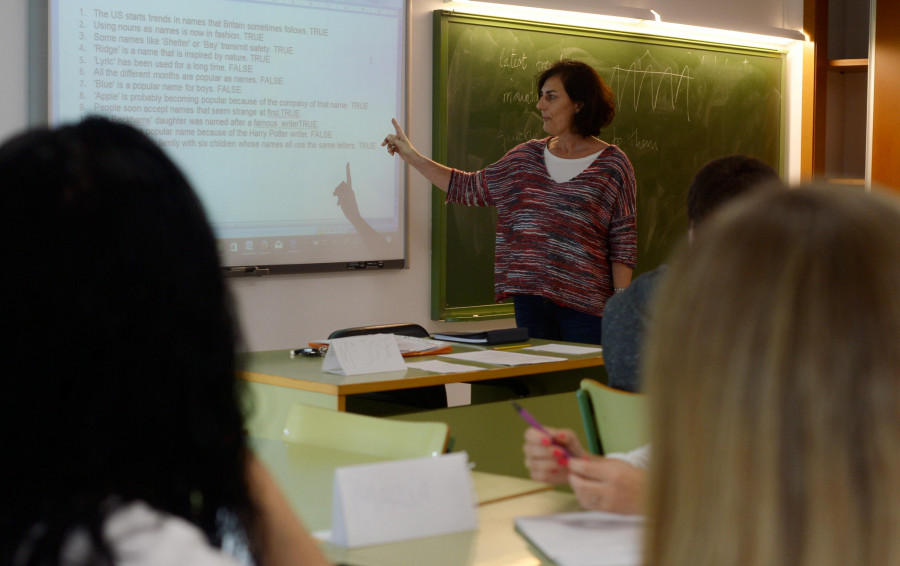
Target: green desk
{"x": 495, "y": 543}
{"x": 306, "y": 476}
{"x": 275, "y": 381}
{"x": 305, "y": 473}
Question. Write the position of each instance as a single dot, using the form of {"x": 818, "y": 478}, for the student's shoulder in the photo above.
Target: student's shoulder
{"x": 149, "y": 537}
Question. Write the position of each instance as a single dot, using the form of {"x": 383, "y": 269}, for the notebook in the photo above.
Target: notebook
{"x": 585, "y": 538}
{"x": 486, "y": 337}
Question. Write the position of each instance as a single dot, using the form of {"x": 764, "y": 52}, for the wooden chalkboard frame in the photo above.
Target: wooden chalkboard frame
{"x": 443, "y": 275}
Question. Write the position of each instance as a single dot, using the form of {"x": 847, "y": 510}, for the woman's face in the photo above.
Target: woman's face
{"x": 557, "y": 109}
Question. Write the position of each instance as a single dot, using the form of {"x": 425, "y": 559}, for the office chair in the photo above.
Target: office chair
{"x": 400, "y": 328}
{"x": 614, "y": 420}
{"x": 374, "y": 436}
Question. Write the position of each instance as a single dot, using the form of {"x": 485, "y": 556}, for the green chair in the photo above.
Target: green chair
{"x": 349, "y": 432}
{"x": 614, "y": 420}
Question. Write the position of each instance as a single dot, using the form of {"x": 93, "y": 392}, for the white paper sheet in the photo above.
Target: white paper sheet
{"x": 502, "y": 358}
{"x": 565, "y": 349}
{"x": 371, "y": 353}
{"x": 437, "y": 366}
{"x": 587, "y": 538}
{"x": 401, "y": 500}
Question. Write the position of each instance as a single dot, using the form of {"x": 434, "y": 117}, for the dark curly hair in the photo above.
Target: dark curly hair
{"x": 585, "y": 87}
{"x": 723, "y": 179}
{"x": 119, "y": 380}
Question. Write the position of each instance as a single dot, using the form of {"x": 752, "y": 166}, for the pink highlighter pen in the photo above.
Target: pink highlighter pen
{"x": 536, "y": 424}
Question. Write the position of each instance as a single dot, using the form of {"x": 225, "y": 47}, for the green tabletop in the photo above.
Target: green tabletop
{"x": 275, "y": 381}
{"x": 306, "y": 475}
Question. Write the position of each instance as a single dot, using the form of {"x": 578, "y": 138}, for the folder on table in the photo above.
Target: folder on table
{"x": 486, "y": 337}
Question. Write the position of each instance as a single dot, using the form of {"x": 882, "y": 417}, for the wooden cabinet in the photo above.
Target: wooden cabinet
{"x": 838, "y": 102}
{"x": 885, "y": 92}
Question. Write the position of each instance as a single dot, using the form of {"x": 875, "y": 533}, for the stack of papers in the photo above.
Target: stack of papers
{"x": 412, "y": 346}
{"x": 408, "y": 345}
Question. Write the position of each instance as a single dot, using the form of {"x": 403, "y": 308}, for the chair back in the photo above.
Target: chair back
{"x": 615, "y": 420}
{"x": 401, "y": 328}
{"x": 363, "y": 434}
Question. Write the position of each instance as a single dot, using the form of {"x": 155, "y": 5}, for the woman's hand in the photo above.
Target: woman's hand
{"x": 398, "y": 143}
{"x": 546, "y": 461}
{"x": 608, "y": 484}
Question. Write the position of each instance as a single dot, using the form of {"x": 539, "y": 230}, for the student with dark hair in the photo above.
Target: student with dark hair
{"x": 566, "y": 230}
{"x": 125, "y": 439}
{"x": 616, "y": 482}
{"x": 628, "y": 313}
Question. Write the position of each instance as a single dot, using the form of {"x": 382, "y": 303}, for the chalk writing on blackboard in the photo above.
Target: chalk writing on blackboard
{"x": 638, "y": 76}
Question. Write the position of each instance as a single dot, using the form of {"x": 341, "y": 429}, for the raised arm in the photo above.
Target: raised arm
{"x": 398, "y": 144}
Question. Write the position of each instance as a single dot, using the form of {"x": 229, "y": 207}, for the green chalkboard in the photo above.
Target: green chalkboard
{"x": 679, "y": 104}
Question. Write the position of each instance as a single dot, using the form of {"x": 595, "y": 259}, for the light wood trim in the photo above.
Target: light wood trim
{"x": 849, "y": 65}
{"x": 494, "y": 488}
{"x": 481, "y": 374}
{"x": 289, "y": 382}
{"x": 815, "y": 82}
{"x": 850, "y": 182}
{"x": 885, "y": 90}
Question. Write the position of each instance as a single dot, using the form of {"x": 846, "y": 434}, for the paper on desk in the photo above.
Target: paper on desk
{"x": 413, "y": 345}
{"x": 437, "y": 366}
{"x": 586, "y": 538}
{"x": 401, "y": 500}
{"x": 502, "y": 358}
{"x": 565, "y": 349}
{"x": 370, "y": 353}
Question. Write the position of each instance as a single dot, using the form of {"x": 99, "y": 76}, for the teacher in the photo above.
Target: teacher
{"x": 566, "y": 226}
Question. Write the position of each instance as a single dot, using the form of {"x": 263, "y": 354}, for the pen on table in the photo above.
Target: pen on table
{"x": 536, "y": 424}
{"x": 309, "y": 352}
{"x": 513, "y": 347}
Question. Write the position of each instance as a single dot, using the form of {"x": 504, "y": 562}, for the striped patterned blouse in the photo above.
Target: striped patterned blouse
{"x": 556, "y": 240}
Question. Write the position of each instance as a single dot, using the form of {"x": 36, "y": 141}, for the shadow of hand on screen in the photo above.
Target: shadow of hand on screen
{"x": 347, "y": 201}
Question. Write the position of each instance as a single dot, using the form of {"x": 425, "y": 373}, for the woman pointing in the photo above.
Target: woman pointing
{"x": 566, "y": 219}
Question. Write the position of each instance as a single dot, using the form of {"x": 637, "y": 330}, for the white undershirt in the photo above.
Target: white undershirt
{"x": 562, "y": 170}
{"x": 639, "y": 457}
{"x": 139, "y": 535}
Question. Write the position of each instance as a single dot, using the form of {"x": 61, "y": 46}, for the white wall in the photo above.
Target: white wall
{"x": 286, "y": 311}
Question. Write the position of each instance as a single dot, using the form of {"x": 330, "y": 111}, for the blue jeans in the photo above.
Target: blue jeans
{"x": 547, "y": 320}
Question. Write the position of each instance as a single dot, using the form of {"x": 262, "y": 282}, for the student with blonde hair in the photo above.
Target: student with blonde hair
{"x": 773, "y": 369}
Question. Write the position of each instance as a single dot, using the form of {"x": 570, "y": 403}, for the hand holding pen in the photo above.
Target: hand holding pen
{"x": 529, "y": 418}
